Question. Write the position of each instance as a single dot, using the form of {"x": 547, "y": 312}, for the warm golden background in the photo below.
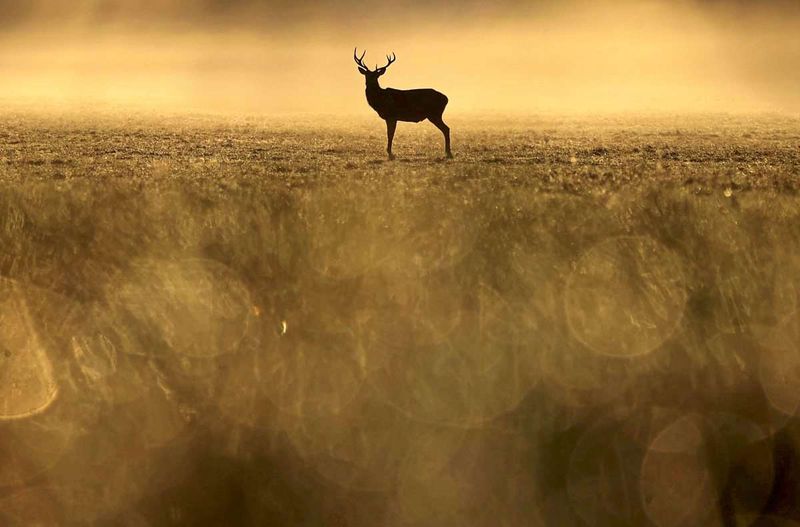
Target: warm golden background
{"x": 244, "y": 56}
{"x": 218, "y": 308}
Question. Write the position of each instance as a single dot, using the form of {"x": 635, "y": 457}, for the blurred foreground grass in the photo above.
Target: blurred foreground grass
{"x": 250, "y": 322}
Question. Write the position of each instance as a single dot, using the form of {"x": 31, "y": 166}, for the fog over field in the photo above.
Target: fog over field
{"x": 221, "y": 304}
{"x": 512, "y": 57}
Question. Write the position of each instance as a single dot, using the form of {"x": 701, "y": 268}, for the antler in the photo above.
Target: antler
{"x": 390, "y": 60}
{"x": 360, "y": 61}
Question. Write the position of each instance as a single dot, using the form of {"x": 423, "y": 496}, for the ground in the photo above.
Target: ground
{"x": 261, "y": 321}
{"x": 547, "y": 153}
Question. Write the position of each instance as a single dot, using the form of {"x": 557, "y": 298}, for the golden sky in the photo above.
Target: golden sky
{"x": 512, "y": 57}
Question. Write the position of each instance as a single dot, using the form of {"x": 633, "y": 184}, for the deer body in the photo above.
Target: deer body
{"x": 403, "y": 105}
{"x": 410, "y": 106}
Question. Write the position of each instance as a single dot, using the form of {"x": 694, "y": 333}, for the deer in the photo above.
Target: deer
{"x": 410, "y": 106}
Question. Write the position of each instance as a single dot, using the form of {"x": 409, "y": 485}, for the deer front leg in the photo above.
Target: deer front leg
{"x": 390, "y": 128}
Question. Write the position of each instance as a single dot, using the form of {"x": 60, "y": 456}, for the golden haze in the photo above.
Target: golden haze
{"x": 576, "y": 58}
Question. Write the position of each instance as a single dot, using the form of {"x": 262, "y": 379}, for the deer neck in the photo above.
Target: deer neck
{"x": 373, "y": 86}
{"x": 374, "y": 94}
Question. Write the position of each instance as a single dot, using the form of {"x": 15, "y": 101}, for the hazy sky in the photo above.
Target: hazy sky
{"x": 509, "y": 56}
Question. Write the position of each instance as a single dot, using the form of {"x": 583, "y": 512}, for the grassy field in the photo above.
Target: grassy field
{"x": 576, "y": 321}
{"x": 575, "y": 155}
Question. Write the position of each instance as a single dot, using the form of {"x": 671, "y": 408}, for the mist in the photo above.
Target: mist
{"x": 512, "y": 58}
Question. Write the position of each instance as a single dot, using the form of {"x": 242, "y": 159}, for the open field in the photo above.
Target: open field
{"x": 577, "y": 155}
{"x": 577, "y": 321}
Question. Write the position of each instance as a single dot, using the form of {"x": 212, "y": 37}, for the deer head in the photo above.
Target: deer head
{"x": 368, "y": 73}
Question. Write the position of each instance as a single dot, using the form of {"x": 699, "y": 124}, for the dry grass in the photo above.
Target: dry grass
{"x": 261, "y": 322}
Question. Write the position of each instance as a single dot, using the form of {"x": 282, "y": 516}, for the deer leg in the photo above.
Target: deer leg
{"x": 390, "y": 128}
{"x": 439, "y": 123}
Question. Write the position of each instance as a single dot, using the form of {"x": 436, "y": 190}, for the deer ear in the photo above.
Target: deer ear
{"x": 362, "y": 71}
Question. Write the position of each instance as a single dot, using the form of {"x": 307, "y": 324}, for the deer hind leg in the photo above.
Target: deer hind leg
{"x": 439, "y": 123}
{"x": 390, "y": 128}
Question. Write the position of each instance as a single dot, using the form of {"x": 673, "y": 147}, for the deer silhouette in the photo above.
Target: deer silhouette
{"x": 402, "y": 105}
